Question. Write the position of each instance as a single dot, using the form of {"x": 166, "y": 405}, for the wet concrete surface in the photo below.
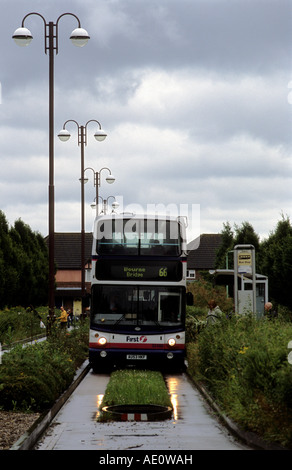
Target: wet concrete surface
{"x": 192, "y": 426}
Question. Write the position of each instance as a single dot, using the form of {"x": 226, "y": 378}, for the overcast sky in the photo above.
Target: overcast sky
{"x": 195, "y": 95}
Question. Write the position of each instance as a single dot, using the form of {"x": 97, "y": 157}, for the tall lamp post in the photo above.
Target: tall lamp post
{"x": 97, "y": 181}
{"x": 23, "y": 37}
{"x": 115, "y": 204}
{"x": 100, "y": 135}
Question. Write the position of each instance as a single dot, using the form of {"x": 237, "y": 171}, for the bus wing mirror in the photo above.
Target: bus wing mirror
{"x": 190, "y": 298}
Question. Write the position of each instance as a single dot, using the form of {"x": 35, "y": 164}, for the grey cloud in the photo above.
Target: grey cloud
{"x": 193, "y": 95}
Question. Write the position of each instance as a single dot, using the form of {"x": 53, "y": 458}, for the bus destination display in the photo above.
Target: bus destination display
{"x": 119, "y": 270}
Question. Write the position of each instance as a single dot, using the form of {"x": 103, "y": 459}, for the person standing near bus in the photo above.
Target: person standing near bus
{"x": 214, "y": 313}
{"x": 63, "y": 318}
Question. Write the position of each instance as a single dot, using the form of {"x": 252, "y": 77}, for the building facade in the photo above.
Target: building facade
{"x": 68, "y": 270}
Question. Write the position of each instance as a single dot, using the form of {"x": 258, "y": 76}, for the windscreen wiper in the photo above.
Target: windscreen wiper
{"x": 119, "y": 319}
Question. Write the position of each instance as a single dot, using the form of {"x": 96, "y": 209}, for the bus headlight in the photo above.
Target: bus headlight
{"x": 102, "y": 341}
{"x": 171, "y": 342}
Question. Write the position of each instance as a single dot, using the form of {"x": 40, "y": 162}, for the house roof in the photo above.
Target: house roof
{"x": 202, "y": 251}
{"x": 68, "y": 249}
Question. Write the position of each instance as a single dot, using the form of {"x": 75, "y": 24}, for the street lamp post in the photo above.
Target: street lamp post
{"x": 23, "y": 37}
{"x": 115, "y": 204}
{"x": 99, "y": 135}
{"x": 97, "y": 181}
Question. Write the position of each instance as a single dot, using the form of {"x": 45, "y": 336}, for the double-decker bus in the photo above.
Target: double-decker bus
{"x": 138, "y": 292}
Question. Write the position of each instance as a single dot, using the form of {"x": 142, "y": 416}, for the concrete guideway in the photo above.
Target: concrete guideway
{"x": 192, "y": 427}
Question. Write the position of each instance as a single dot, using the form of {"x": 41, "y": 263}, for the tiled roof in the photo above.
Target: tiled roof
{"x": 68, "y": 249}
{"x": 204, "y": 256}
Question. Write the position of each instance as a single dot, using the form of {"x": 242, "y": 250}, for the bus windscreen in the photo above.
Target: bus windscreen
{"x": 136, "y": 305}
{"x": 145, "y": 237}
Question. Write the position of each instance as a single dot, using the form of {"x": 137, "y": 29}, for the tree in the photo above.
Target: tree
{"x": 226, "y": 246}
{"x": 244, "y": 235}
{"x": 23, "y": 265}
{"x": 8, "y": 272}
{"x": 276, "y": 262}
{"x": 273, "y": 256}
{"x": 33, "y": 269}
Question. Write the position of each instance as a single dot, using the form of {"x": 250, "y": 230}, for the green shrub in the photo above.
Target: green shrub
{"x": 203, "y": 291}
{"x": 193, "y": 328}
{"x": 195, "y": 322}
{"x": 243, "y": 361}
{"x": 73, "y": 342}
{"x": 18, "y": 323}
{"x": 34, "y": 377}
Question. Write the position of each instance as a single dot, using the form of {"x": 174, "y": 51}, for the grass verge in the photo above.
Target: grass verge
{"x": 136, "y": 387}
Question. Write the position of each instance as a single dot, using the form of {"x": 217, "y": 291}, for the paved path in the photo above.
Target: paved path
{"x": 192, "y": 428}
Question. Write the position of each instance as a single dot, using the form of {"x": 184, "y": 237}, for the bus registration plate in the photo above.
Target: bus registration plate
{"x": 137, "y": 356}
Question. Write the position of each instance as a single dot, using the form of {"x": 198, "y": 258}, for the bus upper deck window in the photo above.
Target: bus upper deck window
{"x": 147, "y": 237}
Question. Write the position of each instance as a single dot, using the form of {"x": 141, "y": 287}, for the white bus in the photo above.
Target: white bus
{"x": 138, "y": 292}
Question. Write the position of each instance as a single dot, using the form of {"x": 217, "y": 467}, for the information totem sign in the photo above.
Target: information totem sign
{"x": 244, "y": 261}
{"x": 244, "y": 264}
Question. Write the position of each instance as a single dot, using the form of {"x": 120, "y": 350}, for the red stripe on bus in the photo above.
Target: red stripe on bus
{"x": 150, "y": 346}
